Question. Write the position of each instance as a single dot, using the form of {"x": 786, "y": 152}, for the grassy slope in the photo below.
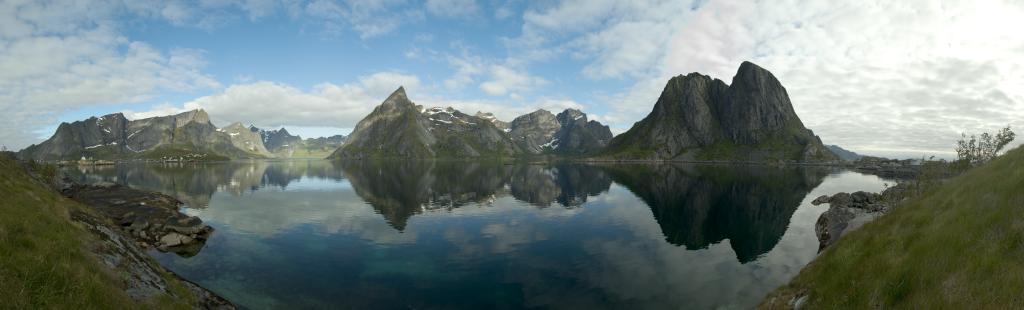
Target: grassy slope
{"x": 43, "y": 258}
{"x": 958, "y": 246}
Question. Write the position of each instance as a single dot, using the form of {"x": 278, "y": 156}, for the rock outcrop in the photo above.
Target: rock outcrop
{"x": 847, "y": 212}
{"x": 701, "y": 118}
{"x": 152, "y": 219}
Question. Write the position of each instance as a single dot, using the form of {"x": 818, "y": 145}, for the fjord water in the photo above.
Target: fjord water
{"x": 389, "y": 235}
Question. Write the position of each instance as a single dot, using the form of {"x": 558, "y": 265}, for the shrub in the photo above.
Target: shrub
{"x": 979, "y": 149}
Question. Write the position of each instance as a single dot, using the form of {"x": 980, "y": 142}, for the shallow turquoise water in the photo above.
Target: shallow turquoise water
{"x": 457, "y": 235}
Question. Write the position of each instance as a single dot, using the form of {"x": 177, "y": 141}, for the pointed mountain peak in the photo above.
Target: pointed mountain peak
{"x": 399, "y": 93}
{"x": 398, "y": 98}
{"x": 283, "y": 131}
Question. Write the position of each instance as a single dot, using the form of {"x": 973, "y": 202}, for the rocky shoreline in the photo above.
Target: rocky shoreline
{"x": 127, "y": 222}
{"x": 847, "y": 211}
{"x": 151, "y": 219}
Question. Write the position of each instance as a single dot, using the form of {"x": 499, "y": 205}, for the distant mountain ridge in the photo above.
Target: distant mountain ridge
{"x": 843, "y": 153}
{"x": 700, "y": 118}
{"x": 282, "y": 144}
{"x": 188, "y": 134}
{"x": 113, "y": 137}
{"x": 398, "y": 128}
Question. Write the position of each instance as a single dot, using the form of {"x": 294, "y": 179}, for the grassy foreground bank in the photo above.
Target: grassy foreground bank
{"x": 957, "y": 246}
{"x": 45, "y": 261}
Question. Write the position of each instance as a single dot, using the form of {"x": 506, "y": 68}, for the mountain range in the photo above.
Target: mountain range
{"x": 696, "y": 118}
{"x": 185, "y": 135}
{"x": 398, "y": 128}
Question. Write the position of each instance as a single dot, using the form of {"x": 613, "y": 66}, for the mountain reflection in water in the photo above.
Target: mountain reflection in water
{"x": 447, "y": 234}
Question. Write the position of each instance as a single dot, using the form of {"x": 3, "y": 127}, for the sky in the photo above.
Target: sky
{"x": 888, "y": 78}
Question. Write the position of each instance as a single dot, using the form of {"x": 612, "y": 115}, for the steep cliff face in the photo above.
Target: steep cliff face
{"x": 579, "y": 136}
{"x": 245, "y": 139}
{"x": 533, "y": 132}
{"x": 278, "y": 140}
{"x": 700, "y": 118}
{"x": 400, "y": 129}
{"x": 113, "y": 137}
{"x": 568, "y": 133}
{"x": 100, "y": 135}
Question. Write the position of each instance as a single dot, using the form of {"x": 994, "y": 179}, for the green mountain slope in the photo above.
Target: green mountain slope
{"x": 44, "y": 256}
{"x": 957, "y": 246}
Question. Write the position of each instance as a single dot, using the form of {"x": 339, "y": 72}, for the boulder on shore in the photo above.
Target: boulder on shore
{"x": 847, "y": 212}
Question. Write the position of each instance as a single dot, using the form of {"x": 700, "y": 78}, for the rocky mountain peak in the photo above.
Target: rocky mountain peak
{"x": 756, "y": 104}
{"x": 398, "y": 98}
{"x": 198, "y": 116}
{"x": 571, "y": 116}
{"x": 696, "y": 112}
{"x": 567, "y": 133}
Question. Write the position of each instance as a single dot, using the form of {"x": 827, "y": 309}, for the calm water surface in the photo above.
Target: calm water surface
{"x": 455, "y": 235}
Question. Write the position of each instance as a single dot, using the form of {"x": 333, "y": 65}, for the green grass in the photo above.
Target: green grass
{"x": 959, "y": 245}
{"x": 43, "y": 259}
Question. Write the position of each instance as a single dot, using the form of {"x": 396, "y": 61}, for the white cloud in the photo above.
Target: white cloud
{"x": 466, "y": 69}
{"x": 505, "y": 80}
{"x": 58, "y": 60}
{"x": 892, "y": 77}
{"x": 272, "y": 105}
{"x": 895, "y": 78}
